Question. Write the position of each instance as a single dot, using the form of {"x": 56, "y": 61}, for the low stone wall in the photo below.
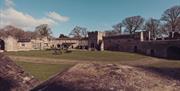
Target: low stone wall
{"x": 151, "y": 48}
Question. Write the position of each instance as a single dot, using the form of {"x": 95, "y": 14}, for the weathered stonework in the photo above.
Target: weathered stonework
{"x": 140, "y": 42}
{"x": 95, "y": 40}
{"x": 12, "y": 44}
{"x": 13, "y": 77}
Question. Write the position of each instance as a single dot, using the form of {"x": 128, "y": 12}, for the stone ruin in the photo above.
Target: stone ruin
{"x": 13, "y": 77}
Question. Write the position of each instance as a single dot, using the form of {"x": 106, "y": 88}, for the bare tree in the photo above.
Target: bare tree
{"x": 84, "y": 32}
{"x": 117, "y": 28}
{"x": 30, "y": 35}
{"x": 13, "y": 31}
{"x": 17, "y": 33}
{"x": 133, "y": 23}
{"x": 178, "y": 26}
{"x": 171, "y": 17}
{"x": 152, "y": 25}
{"x": 3, "y": 33}
{"x": 79, "y": 32}
{"x": 43, "y": 30}
{"x": 162, "y": 31}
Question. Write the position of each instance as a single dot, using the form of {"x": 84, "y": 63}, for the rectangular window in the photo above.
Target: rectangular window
{"x": 46, "y": 44}
{"x": 23, "y": 45}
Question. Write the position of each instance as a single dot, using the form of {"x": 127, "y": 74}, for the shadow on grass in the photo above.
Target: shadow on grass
{"x": 7, "y": 84}
{"x": 52, "y": 87}
{"x": 173, "y": 73}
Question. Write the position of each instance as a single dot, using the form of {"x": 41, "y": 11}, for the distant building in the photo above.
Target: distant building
{"x": 12, "y": 44}
{"x": 95, "y": 40}
{"x": 78, "y": 43}
{"x": 140, "y": 42}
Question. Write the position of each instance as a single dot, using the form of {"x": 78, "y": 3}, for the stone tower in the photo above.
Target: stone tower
{"x": 95, "y": 41}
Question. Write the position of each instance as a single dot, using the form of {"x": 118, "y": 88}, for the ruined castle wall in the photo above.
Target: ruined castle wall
{"x": 24, "y": 46}
{"x": 10, "y": 44}
{"x": 151, "y": 49}
{"x": 95, "y": 40}
{"x": 83, "y": 42}
{"x": 156, "y": 48}
{"x": 61, "y": 41}
{"x": 119, "y": 43}
{"x": 75, "y": 42}
{"x": 147, "y": 47}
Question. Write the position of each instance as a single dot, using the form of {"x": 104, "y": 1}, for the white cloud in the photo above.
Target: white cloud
{"x": 11, "y": 16}
{"x": 19, "y": 19}
{"x": 9, "y": 3}
{"x": 57, "y": 17}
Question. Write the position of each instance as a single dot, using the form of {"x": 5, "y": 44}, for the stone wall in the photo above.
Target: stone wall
{"x": 140, "y": 44}
{"x": 95, "y": 40}
{"x": 160, "y": 48}
{"x": 10, "y": 44}
{"x": 24, "y": 46}
{"x": 120, "y": 43}
{"x": 75, "y": 43}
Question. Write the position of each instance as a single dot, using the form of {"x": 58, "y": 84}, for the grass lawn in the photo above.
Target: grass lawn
{"x": 46, "y": 69}
{"x": 83, "y": 55}
{"x": 43, "y": 71}
{"x": 166, "y": 64}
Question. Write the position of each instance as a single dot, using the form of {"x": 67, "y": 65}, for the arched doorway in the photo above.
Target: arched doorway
{"x": 58, "y": 46}
{"x": 135, "y": 48}
{"x": 2, "y": 44}
{"x": 152, "y": 52}
{"x": 173, "y": 52}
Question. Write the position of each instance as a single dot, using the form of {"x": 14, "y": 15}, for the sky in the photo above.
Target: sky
{"x": 63, "y": 15}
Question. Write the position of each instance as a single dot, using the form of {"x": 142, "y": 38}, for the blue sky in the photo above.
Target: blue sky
{"x": 92, "y": 14}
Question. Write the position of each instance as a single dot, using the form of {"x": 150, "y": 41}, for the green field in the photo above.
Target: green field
{"x": 43, "y": 64}
{"x": 83, "y": 55}
{"x": 43, "y": 71}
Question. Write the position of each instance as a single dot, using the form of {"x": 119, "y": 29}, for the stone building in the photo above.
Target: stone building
{"x": 72, "y": 43}
{"x": 124, "y": 42}
{"x": 95, "y": 40}
{"x": 12, "y": 44}
{"x": 140, "y": 42}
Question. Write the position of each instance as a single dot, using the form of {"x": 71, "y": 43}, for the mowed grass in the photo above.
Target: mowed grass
{"x": 43, "y": 71}
{"x": 83, "y": 55}
{"x": 166, "y": 64}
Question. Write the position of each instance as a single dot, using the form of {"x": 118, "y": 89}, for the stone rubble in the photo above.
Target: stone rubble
{"x": 99, "y": 77}
{"x": 13, "y": 77}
